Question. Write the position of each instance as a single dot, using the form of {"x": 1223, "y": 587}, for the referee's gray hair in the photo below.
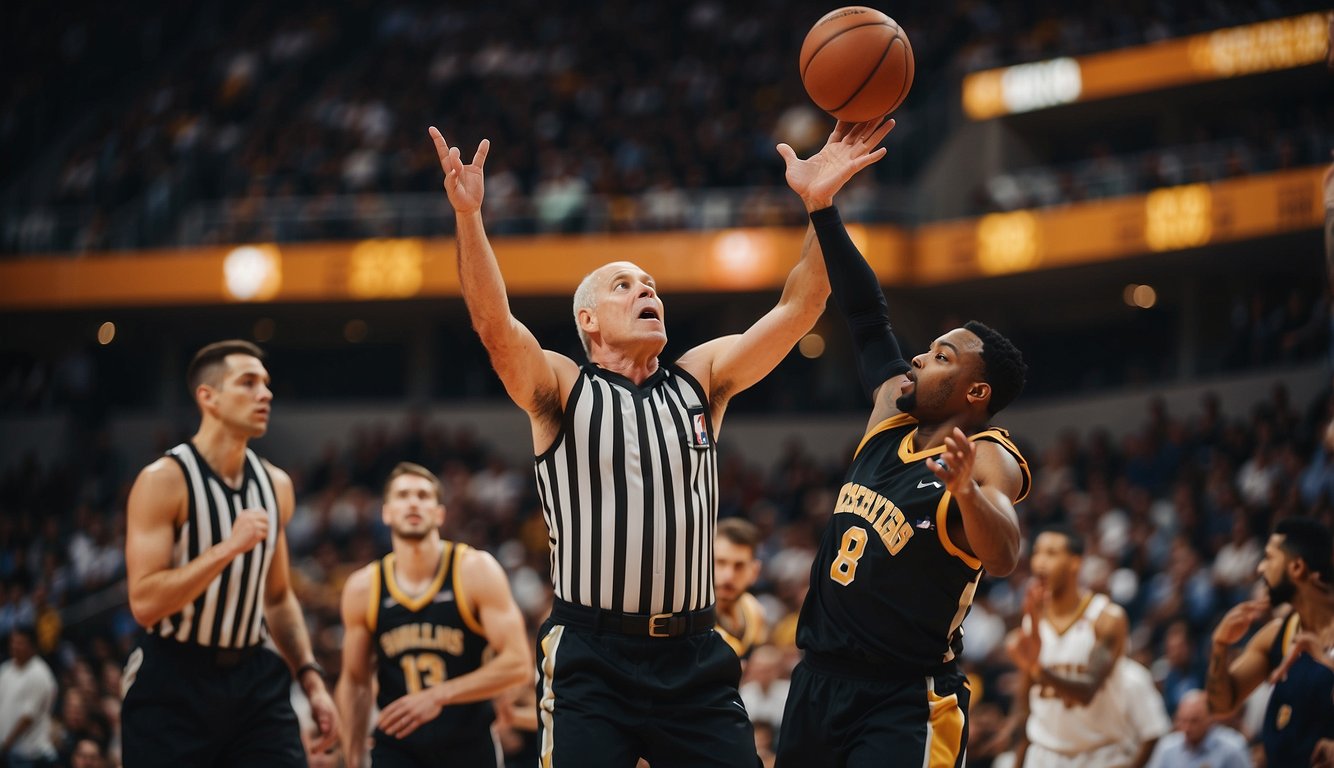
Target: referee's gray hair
{"x": 585, "y": 297}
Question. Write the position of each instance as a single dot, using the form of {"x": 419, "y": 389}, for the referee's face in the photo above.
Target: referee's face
{"x": 411, "y": 509}
{"x": 629, "y": 311}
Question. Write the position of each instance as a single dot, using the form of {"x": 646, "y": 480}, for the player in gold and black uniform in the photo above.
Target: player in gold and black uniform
{"x": 741, "y": 620}
{"x": 925, "y": 508}
{"x": 426, "y": 613}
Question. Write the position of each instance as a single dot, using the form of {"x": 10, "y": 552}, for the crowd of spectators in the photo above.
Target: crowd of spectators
{"x": 1293, "y": 133}
{"x": 296, "y": 121}
{"x": 1175, "y": 514}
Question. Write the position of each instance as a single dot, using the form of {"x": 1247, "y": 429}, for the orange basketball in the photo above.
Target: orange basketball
{"x": 856, "y": 64}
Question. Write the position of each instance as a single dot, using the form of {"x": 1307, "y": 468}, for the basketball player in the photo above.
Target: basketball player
{"x": 422, "y": 617}
{"x": 626, "y": 464}
{"x": 741, "y": 619}
{"x": 1298, "y": 724}
{"x": 1067, "y": 648}
{"x": 926, "y": 506}
{"x": 207, "y": 572}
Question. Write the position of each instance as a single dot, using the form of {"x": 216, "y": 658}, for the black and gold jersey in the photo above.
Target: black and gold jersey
{"x": 752, "y": 630}
{"x": 888, "y": 586}
{"x": 424, "y": 640}
{"x": 1301, "y": 707}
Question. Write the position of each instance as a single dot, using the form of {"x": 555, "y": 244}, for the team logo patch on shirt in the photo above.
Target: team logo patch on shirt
{"x": 699, "y": 428}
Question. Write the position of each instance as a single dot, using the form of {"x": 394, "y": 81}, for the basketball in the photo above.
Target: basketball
{"x": 856, "y": 64}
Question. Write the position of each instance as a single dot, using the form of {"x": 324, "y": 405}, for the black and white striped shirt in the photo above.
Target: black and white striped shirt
{"x": 230, "y": 611}
{"x": 630, "y": 494}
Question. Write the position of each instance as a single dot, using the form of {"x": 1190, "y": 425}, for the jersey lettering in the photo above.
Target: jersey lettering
{"x": 432, "y": 637}
{"x": 886, "y": 519}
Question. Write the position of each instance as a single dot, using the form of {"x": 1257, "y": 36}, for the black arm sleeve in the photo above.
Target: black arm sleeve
{"x": 857, "y": 294}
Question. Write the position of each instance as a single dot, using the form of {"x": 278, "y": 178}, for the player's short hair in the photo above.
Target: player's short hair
{"x": 1310, "y": 540}
{"x": 740, "y": 532}
{"x": 209, "y": 362}
{"x": 1003, "y": 366}
{"x": 1074, "y": 542}
{"x": 409, "y": 468}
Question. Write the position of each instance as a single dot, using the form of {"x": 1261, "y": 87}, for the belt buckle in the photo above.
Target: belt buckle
{"x": 657, "y": 625}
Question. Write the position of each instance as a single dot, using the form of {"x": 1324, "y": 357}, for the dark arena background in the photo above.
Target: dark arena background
{"x": 1131, "y": 191}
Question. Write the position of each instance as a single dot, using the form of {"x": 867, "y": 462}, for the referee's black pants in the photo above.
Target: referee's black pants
{"x": 606, "y": 699}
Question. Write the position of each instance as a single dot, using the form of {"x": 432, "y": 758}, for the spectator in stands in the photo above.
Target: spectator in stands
{"x": 27, "y": 694}
{"x": 87, "y": 754}
{"x": 1198, "y": 742}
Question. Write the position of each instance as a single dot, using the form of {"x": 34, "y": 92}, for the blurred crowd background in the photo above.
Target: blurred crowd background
{"x": 237, "y": 122}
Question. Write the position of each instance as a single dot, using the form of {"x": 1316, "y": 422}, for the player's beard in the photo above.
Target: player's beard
{"x": 408, "y": 534}
{"x": 907, "y": 403}
{"x": 1282, "y": 592}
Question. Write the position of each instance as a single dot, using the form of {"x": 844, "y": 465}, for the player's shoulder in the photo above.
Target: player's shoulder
{"x": 1113, "y": 616}
{"x": 477, "y": 563}
{"x": 359, "y": 581}
{"x": 277, "y": 473}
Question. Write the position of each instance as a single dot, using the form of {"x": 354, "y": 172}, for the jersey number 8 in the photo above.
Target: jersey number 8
{"x": 844, "y": 569}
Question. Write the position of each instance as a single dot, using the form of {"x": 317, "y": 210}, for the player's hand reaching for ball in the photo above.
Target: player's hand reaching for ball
{"x": 850, "y": 148}
{"x": 464, "y": 184}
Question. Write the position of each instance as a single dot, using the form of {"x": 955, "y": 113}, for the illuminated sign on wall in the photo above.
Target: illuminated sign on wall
{"x": 1271, "y": 45}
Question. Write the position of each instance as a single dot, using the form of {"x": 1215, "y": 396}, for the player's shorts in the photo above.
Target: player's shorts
{"x": 608, "y": 696}
{"x": 1106, "y": 756}
{"x": 480, "y": 751}
{"x": 185, "y": 704}
{"x": 843, "y": 714}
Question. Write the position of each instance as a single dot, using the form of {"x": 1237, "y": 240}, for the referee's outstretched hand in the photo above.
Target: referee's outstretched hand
{"x": 464, "y": 184}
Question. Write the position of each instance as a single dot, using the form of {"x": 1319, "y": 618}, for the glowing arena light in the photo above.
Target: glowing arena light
{"x": 252, "y": 272}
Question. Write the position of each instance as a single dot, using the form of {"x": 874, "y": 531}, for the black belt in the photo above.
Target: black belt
{"x": 635, "y": 624}
{"x": 202, "y": 654}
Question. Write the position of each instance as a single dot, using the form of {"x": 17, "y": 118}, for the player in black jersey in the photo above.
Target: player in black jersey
{"x": 626, "y": 463}
{"x": 741, "y": 620}
{"x": 1299, "y": 719}
{"x": 926, "y": 506}
{"x": 207, "y": 572}
{"x": 421, "y": 617}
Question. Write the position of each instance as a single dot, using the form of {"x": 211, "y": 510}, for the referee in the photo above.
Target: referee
{"x": 206, "y": 567}
{"x": 628, "y": 663}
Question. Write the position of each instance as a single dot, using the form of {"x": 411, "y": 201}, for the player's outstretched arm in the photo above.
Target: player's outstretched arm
{"x": 353, "y": 692}
{"x": 525, "y": 369}
{"x": 731, "y": 364}
{"x": 855, "y": 286}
